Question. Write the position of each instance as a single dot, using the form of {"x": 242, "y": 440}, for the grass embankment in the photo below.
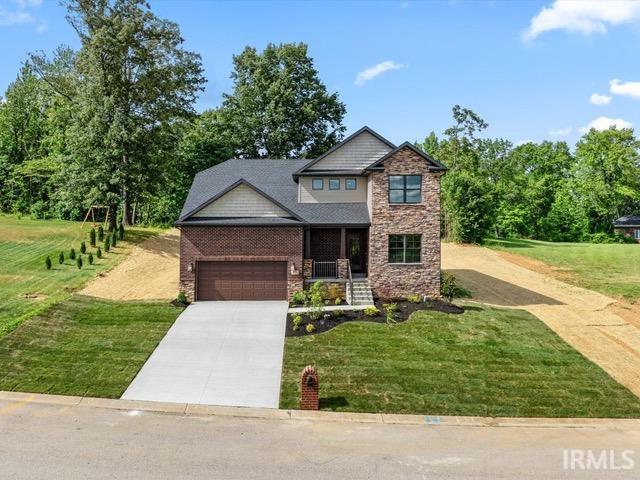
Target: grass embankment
{"x": 83, "y": 346}
{"x": 612, "y": 269}
{"x": 487, "y": 361}
{"x": 26, "y": 287}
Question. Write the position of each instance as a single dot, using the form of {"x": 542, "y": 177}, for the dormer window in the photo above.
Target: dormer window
{"x": 405, "y": 188}
{"x": 317, "y": 184}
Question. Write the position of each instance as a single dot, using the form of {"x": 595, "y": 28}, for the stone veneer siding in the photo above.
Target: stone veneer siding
{"x": 390, "y": 280}
{"x": 241, "y": 243}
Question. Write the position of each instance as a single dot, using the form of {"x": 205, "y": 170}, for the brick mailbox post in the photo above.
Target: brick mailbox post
{"x": 309, "y": 399}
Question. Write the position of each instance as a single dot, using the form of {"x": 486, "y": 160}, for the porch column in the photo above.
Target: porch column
{"x": 343, "y": 243}
{"x": 307, "y": 243}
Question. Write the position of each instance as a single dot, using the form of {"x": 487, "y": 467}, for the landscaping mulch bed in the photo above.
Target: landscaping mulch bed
{"x": 330, "y": 320}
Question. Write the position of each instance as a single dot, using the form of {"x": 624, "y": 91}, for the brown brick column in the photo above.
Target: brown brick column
{"x": 343, "y": 267}
{"x": 309, "y": 389}
{"x": 307, "y": 268}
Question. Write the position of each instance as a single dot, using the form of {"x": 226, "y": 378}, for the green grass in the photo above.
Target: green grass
{"x": 489, "y": 362}
{"x": 612, "y": 269}
{"x": 83, "y": 346}
{"x": 24, "y": 245}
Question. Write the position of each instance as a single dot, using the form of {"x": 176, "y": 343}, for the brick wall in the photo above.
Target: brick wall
{"x": 240, "y": 243}
{"x": 325, "y": 244}
{"x": 397, "y": 280}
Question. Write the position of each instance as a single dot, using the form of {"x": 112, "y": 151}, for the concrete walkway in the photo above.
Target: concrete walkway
{"x": 218, "y": 353}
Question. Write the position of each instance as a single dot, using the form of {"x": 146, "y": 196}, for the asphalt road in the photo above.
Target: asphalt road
{"x": 49, "y": 441}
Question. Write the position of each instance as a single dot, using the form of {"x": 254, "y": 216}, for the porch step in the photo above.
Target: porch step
{"x": 362, "y": 294}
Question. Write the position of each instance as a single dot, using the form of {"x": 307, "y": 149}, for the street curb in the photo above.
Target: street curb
{"x": 317, "y": 416}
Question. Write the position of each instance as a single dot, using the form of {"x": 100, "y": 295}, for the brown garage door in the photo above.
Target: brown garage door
{"x": 242, "y": 281}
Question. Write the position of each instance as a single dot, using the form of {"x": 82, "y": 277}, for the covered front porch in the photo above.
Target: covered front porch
{"x": 335, "y": 253}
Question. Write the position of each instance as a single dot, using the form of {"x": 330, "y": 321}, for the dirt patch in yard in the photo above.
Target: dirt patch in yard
{"x": 150, "y": 272}
{"x": 603, "y": 329}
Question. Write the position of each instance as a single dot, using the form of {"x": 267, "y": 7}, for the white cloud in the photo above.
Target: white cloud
{"x": 561, "y": 132}
{"x": 586, "y": 16}
{"x": 631, "y": 89}
{"x": 372, "y": 72}
{"x": 9, "y": 19}
{"x": 598, "y": 99}
{"x": 603, "y": 123}
{"x": 28, "y": 3}
{"x": 20, "y": 14}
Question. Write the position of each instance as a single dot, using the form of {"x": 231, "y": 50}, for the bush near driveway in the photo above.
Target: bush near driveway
{"x": 83, "y": 346}
{"x": 487, "y": 361}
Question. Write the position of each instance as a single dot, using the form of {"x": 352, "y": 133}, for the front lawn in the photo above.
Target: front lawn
{"x": 487, "y": 361}
{"x": 612, "y": 269}
{"x": 26, "y": 287}
{"x": 83, "y": 346}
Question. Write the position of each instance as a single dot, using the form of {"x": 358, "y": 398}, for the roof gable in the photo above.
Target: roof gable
{"x": 433, "y": 163}
{"x": 355, "y": 153}
{"x": 241, "y": 200}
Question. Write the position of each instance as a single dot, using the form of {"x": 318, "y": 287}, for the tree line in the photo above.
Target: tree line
{"x": 535, "y": 190}
{"x": 113, "y": 123}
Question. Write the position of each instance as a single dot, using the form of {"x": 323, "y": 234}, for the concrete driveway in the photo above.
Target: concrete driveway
{"x": 218, "y": 353}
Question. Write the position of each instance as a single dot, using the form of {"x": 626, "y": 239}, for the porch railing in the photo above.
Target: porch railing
{"x": 350, "y": 284}
{"x": 325, "y": 269}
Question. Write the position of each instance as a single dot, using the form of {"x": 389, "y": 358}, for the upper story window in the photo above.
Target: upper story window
{"x": 350, "y": 184}
{"x": 317, "y": 184}
{"x": 405, "y": 188}
{"x": 334, "y": 184}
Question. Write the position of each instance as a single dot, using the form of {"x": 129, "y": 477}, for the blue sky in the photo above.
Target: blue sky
{"x": 528, "y": 68}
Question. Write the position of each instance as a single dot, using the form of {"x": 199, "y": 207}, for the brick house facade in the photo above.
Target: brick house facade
{"x": 240, "y": 243}
{"x": 391, "y": 280}
{"x": 325, "y": 219}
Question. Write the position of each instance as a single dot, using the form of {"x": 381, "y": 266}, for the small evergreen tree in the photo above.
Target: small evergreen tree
{"x": 107, "y": 244}
{"x": 83, "y": 247}
{"x": 90, "y": 258}
{"x": 72, "y": 254}
{"x": 114, "y": 238}
{"x": 100, "y": 233}
{"x": 92, "y": 237}
{"x": 61, "y": 258}
{"x": 121, "y": 232}
{"x": 99, "y": 253}
{"x": 47, "y": 263}
{"x": 79, "y": 262}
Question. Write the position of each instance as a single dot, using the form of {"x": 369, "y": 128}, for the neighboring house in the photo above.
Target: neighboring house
{"x": 629, "y": 226}
{"x": 366, "y": 212}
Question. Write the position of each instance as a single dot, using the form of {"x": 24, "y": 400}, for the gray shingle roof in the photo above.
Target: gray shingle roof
{"x": 627, "y": 221}
{"x": 273, "y": 178}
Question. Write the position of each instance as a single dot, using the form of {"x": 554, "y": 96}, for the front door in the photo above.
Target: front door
{"x": 354, "y": 250}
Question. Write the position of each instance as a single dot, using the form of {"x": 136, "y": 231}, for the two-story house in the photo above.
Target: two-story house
{"x": 366, "y": 212}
